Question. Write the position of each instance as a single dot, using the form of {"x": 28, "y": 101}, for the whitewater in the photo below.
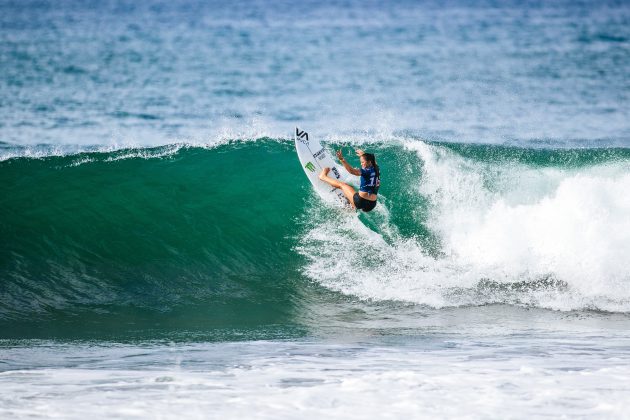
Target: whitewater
{"x": 498, "y": 262}
{"x": 162, "y": 254}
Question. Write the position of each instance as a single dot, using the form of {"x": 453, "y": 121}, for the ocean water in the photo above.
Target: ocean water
{"x": 163, "y": 255}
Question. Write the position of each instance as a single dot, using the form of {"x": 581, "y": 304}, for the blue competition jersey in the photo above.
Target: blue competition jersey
{"x": 369, "y": 181}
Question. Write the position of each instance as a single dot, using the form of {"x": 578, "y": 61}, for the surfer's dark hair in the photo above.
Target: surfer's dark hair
{"x": 372, "y": 159}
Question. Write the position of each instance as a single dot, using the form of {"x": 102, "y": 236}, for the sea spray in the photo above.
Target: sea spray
{"x": 510, "y": 230}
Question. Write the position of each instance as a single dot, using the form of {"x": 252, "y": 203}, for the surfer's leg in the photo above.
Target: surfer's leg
{"x": 324, "y": 177}
{"x": 348, "y": 191}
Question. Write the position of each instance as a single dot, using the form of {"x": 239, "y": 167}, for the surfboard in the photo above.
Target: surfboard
{"x": 313, "y": 158}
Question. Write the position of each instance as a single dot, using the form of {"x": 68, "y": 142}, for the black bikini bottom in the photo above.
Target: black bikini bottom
{"x": 362, "y": 203}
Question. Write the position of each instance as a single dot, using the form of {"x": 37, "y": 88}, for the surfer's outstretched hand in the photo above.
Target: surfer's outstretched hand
{"x": 339, "y": 154}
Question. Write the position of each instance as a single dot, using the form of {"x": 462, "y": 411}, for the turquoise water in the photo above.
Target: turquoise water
{"x": 156, "y": 242}
{"x": 162, "y": 253}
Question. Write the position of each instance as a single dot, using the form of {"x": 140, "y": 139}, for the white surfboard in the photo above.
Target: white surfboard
{"x": 313, "y": 158}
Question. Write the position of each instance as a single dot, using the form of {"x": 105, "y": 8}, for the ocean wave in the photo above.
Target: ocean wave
{"x": 496, "y": 225}
{"x": 232, "y": 230}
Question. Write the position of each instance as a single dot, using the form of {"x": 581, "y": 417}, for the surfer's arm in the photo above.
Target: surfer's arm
{"x": 353, "y": 171}
{"x": 346, "y": 165}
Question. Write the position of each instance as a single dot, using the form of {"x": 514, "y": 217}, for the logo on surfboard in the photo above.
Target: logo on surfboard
{"x": 321, "y": 154}
{"x": 301, "y": 135}
{"x": 310, "y": 166}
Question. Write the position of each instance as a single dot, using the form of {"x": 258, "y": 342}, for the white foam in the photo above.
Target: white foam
{"x": 295, "y": 380}
{"x": 557, "y": 238}
{"x": 147, "y": 153}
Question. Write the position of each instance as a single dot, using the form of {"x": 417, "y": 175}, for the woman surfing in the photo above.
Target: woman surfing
{"x": 365, "y": 199}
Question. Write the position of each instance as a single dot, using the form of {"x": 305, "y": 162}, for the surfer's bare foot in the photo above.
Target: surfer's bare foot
{"x": 324, "y": 173}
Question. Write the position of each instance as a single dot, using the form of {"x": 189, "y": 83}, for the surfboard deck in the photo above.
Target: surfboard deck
{"x": 313, "y": 158}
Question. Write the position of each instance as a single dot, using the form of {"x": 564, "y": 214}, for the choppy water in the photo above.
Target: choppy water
{"x": 429, "y": 376}
{"x": 162, "y": 254}
{"x": 121, "y": 72}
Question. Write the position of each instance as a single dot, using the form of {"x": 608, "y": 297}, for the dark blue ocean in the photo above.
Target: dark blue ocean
{"x": 147, "y": 73}
{"x": 163, "y": 255}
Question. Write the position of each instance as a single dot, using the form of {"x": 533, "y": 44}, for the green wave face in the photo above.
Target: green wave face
{"x": 196, "y": 238}
{"x": 212, "y": 241}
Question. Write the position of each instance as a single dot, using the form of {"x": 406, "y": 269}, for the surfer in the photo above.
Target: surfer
{"x": 365, "y": 199}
